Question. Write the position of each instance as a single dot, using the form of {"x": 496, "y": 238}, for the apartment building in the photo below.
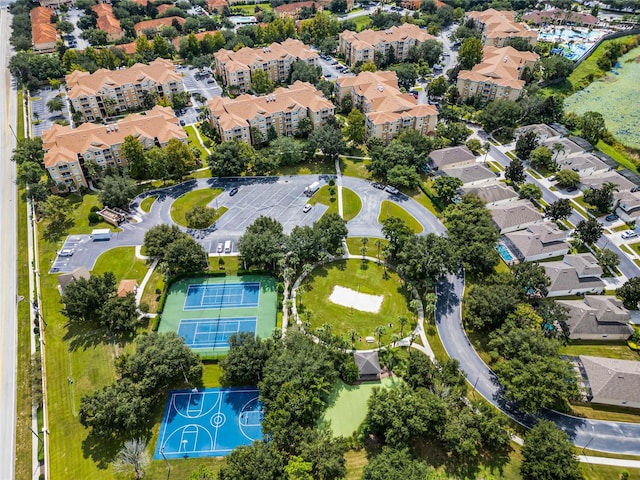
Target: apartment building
{"x": 362, "y": 46}
{"x": 68, "y": 149}
{"x": 236, "y": 68}
{"x": 498, "y": 27}
{"x": 498, "y": 76}
{"x": 388, "y": 111}
{"x": 157, "y": 25}
{"x": 43, "y": 32}
{"x": 293, "y": 10}
{"x": 107, "y": 22}
{"x": 55, "y": 3}
{"x": 241, "y": 118}
{"x": 125, "y": 89}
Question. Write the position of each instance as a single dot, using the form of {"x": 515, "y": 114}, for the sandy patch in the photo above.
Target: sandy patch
{"x": 360, "y": 301}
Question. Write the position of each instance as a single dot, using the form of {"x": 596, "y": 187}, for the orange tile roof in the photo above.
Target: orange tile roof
{"x": 128, "y": 48}
{"x": 215, "y": 4}
{"x": 294, "y": 7}
{"x": 501, "y": 24}
{"x": 500, "y": 66}
{"x": 106, "y": 20}
{"x": 41, "y": 15}
{"x": 157, "y": 23}
{"x": 245, "y": 57}
{"x": 63, "y": 143}
{"x": 370, "y": 38}
{"x": 44, "y": 33}
{"x": 199, "y": 36}
{"x": 164, "y": 7}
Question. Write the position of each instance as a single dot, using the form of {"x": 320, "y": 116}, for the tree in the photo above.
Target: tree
{"x": 559, "y": 210}
{"x": 514, "y": 172}
{"x": 630, "y": 293}
{"x": 119, "y": 314}
{"x": 203, "y": 472}
{"x": 133, "y": 152}
{"x": 530, "y": 191}
{"x": 608, "y": 259}
{"x": 262, "y": 244}
{"x": 185, "y": 255}
{"x": 470, "y": 53}
{"x": 489, "y": 306}
{"x": 548, "y": 454}
{"x": 541, "y": 157}
{"x": 245, "y": 361}
{"x": 84, "y": 299}
{"x": 403, "y": 176}
{"x": 407, "y": 74}
{"x": 200, "y": 217}
{"x": 305, "y": 72}
{"x": 589, "y": 231}
{"x": 258, "y": 461}
{"x": 429, "y": 51}
{"x": 601, "y": 198}
{"x": 354, "y": 129}
{"x": 329, "y": 140}
{"x": 28, "y": 150}
{"x": 393, "y": 464}
{"x": 57, "y": 210}
{"x": 230, "y": 159}
{"x": 260, "y": 82}
{"x": 331, "y": 229}
{"x": 567, "y": 178}
{"x": 592, "y": 127}
{"x": 133, "y": 455}
{"x": 525, "y": 144}
{"x": 29, "y": 173}
{"x": 446, "y": 187}
{"x": 455, "y": 132}
{"x": 500, "y": 116}
{"x": 157, "y": 239}
{"x": 117, "y": 191}
{"x": 438, "y": 87}
{"x": 555, "y": 67}
{"x": 397, "y": 232}
{"x": 532, "y": 279}
{"x": 179, "y": 158}
{"x": 56, "y": 104}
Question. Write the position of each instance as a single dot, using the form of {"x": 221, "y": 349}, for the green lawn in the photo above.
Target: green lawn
{"x": 149, "y": 296}
{"x": 351, "y": 204}
{"x": 606, "y": 412}
{"x": 147, "y": 203}
{"x": 362, "y": 22}
{"x": 354, "y": 244}
{"x": 325, "y": 197}
{"x": 618, "y": 156}
{"x": 195, "y": 198}
{"x": 365, "y": 277}
{"x": 390, "y": 209}
{"x": 124, "y": 264}
{"x": 82, "y": 207}
{"x": 618, "y": 350}
{"x": 352, "y": 167}
{"x": 193, "y": 141}
{"x": 316, "y": 167}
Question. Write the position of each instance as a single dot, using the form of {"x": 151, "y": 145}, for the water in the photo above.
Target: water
{"x": 504, "y": 253}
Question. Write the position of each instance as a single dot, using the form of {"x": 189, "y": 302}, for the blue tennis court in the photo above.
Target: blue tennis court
{"x": 209, "y": 423}
{"x": 222, "y": 295}
{"x": 215, "y": 332}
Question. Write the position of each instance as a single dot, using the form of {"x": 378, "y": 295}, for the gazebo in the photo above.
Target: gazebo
{"x": 368, "y": 365}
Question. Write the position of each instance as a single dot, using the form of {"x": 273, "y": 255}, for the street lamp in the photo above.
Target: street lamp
{"x": 166, "y": 461}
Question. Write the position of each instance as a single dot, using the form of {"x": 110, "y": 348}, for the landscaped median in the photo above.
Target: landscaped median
{"x": 196, "y": 198}
{"x": 390, "y": 209}
{"x": 328, "y": 195}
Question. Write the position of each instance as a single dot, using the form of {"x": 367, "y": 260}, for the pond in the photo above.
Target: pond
{"x": 616, "y": 97}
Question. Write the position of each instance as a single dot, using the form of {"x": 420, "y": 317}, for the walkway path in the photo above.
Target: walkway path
{"x": 339, "y": 185}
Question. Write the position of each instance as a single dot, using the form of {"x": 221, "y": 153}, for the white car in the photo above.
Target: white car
{"x": 629, "y": 234}
{"x": 391, "y": 190}
{"x": 65, "y": 252}
{"x": 220, "y": 247}
{"x": 306, "y": 208}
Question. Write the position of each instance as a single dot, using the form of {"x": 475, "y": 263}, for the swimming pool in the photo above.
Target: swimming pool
{"x": 504, "y": 253}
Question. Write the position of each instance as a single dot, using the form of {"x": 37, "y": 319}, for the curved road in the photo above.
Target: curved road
{"x": 612, "y": 437}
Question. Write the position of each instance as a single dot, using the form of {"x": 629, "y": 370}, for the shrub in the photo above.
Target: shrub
{"x": 95, "y": 208}
{"x": 94, "y": 218}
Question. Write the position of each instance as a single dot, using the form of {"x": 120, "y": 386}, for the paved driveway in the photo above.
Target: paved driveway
{"x": 41, "y": 113}
{"x": 73, "y": 15}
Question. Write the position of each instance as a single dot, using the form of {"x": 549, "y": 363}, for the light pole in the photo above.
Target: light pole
{"x": 166, "y": 461}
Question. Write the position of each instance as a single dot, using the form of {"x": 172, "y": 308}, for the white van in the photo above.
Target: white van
{"x": 227, "y": 246}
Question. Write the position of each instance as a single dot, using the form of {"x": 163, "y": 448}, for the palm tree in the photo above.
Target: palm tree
{"x": 379, "y": 332}
{"x": 486, "y": 147}
{"x": 430, "y": 305}
{"x": 132, "y": 455}
{"x": 412, "y": 338}
{"x": 363, "y": 252}
{"x": 556, "y": 149}
{"x": 395, "y": 338}
{"x": 353, "y": 336}
{"x": 378, "y": 244}
{"x": 403, "y": 321}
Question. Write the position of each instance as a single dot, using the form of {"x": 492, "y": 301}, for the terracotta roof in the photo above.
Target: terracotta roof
{"x": 41, "y": 15}
{"x": 127, "y": 286}
{"x": 500, "y": 66}
{"x": 199, "y": 36}
{"x": 44, "y": 33}
{"x": 215, "y": 4}
{"x": 294, "y": 7}
{"x": 157, "y": 24}
{"x": 370, "y": 38}
{"x": 63, "y": 143}
{"x": 89, "y": 84}
{"x": 143, "y": 3}
{"x": 128, "y": 48}
{"x": 106, "y": 20}
{"x": 501, "y": 24}
{"x": 556, "y": 15}
{"x": 239, "y": 111}
{"x": 246, "y": 57}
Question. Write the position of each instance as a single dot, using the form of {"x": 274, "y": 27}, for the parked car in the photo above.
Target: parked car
{"x": 635, "y": 189}
{"x": 379, "y": 186}
{"x": 306, "y": 208}
{"x": 391, "y": 190}
{"x": 65, "y": 252}
{"x": 182, "y": 123}
{"x": 629, "y": 234}
{"x": 233, "y": 191}
{"x": 572, "y": 189}
{"x": 612, "y": 217}
{"x": 220, "y": 247}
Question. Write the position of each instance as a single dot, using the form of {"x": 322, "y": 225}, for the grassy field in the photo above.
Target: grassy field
{"x": 193, "y": 141}
{"x": 354, "y": 244}
{"x": 147, "y": 203}
{"x": 364, "y": 277}
{"x": 149, "y": 296}
{"x": 82, "y": 207}
{"x": 362, "y": 22}
{"x": 195, "y": 198}
{"x": 390, "y": 209}
{"x": 352, "y": 167}
{"x": 618, "y": 350}
{"x": 618, "y": 156}
{"x": 351, "y": 204}
{"x": 606, "y": 412}
{"x": 122, "y": 261}
{"x": 316, "y": 167}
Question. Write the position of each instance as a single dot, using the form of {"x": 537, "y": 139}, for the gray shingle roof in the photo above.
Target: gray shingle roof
{"x": 544, "y": 238}
{"x": 367, "y": 362}
{"x": 67, "y": 278}
{"x": 516, "y": 213}
{"x": 451, "y": 156}
{"x": 565, "y": 277}
{"x": 597, "y": 315}
{"x": 469, "y": 173}
{"x": 613, "y": 379}
{"x": 492, "y": 192}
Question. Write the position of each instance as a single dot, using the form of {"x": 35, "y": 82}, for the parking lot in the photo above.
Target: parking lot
{"x": 197, "y": 82}
{"x": 329, "y": 70}
{"x": 41, "y": 114}
{"x": 73, "y": 15}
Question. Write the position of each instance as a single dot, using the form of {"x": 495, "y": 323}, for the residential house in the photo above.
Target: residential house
{"x": 562, "y": 147}
{"x": 556, "y": 16}
{"x": 538, "y": 242}
{"x": 627, "y": 206}
{"x": 244, "y": 117}
{"x": 236, "y": 68}
{"x": 68, "y": 150}
{"x": 611, "y": 381}
{"x": 451, "y": 157}
{"x": 127, "y": 48}
{"x": 543, "y": 132}
{"x": 597, "y": 317}
{"x": 157, "y": 25}
{"x": 107, "y": 92}
{"x": 600, "y": 179}
{"x": 499, "y": 76}
{"x": 293, "y": 10}
{"x": 107, "y": 22}
{"x": 583, "y": 163}
{"x": 43, "y": 32}
{"x": 65, "y": 279}
{"x": 217, "y": 6}
{"x": 498, "y": 28}
{"x": 360, "y": 47}
{"x": 574, "y": 275}
{"x": 387, "y": 110}
{"x": 513, "y": 216}
{"x": 470, "y": 175}
{"x": 493, "y": 193}
{"x": 199, "y": 36}
{"x": 164, "y": 7}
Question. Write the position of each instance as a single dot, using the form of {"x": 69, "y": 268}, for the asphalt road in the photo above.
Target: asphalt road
{"x": 8, "y": 202}
{"x": 612, "y": 437}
